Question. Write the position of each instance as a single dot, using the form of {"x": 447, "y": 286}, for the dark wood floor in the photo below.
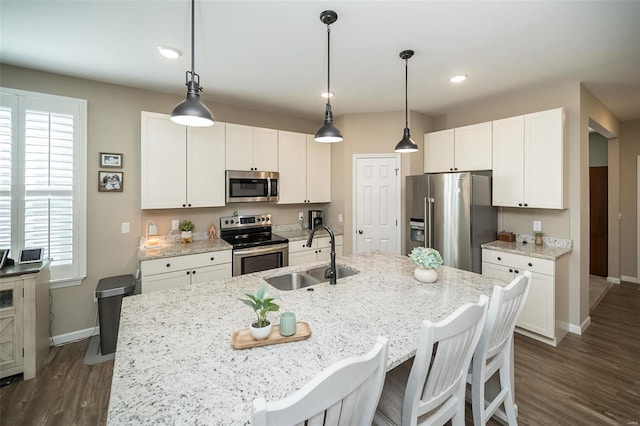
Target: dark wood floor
{"x": 593, "y": 379}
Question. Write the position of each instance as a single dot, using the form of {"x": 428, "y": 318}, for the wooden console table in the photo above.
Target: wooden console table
{"x": 24, "y": 318}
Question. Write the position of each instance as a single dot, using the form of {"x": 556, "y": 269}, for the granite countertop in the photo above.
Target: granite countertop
{"x": 175, "y": 365}
{"x": 303, "y": 234}
{"x": 544, "y": 251}
{"x": 170, "y": 249}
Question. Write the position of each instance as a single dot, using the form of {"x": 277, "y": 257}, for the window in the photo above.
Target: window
{"x": 43, "y": 180}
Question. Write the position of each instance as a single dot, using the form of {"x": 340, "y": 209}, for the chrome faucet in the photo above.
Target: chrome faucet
{"x": 331, "y": 272}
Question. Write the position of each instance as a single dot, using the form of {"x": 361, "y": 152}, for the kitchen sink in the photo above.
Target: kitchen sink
{"x": 292, "y": 281}
{"x": 342, "y": 271}
{"x": 296, "y": 280}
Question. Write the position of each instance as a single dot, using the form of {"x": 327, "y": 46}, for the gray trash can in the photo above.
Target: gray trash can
{"x": 109, "y": 293}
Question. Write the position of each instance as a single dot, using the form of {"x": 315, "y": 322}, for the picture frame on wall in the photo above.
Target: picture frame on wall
{"x": 110, "y": 160}
{"x": 109, "y": 181}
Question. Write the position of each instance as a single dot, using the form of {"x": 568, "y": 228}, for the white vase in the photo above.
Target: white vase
{"x": 262, "y": 332}
{"x": 185, "y": 234}
{"x": 425, "y": 275}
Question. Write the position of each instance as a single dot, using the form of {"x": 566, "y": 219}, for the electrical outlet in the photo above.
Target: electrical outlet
{"x": 174, "y": 224}
{"x": 537, "y": 225}
{"x": 125, "y": 227}
{"x": 340, "y": 217}
{"x": 300, "y": 216}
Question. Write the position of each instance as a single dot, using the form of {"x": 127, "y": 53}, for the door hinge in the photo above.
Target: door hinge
{"x": 23, "y": 292}
{"x": 396, "y": 222}
{"x": 22, "y": 352}
{"x": 397, "y": 171}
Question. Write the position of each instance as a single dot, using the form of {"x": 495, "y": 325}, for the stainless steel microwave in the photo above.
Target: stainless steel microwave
{"x": 244, "y": 186}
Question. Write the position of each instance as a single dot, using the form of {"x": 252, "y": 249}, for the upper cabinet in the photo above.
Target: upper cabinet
{"x": 251, "y": 148}
{"x": 460, "y": 149}
{"x": 180, "y": 166}
{"x": 528, "y": 161}
{"x": 305, "y": 169}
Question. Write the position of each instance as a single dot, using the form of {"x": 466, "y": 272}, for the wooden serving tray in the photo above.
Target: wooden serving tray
{"x": 242, "y": 339}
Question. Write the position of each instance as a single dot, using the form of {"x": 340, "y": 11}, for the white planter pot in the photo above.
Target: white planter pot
{"x": 262, "y": 332}
{"x": 185, "y": 234}
{"x": 425, "y": 275}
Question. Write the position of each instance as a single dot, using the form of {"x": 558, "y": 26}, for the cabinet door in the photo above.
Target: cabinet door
{"x": 158, "y": 282}
{"x": 11, "y": 327}
{"x": 544, "y": 181}
{"x": 211, "y": 273}
{"x": 205, "y": 166}
{"x": 239, "y": 147}
{"x": 498, "y": 272}
{"x": 163, "y": 154}
{"x": 302, "y": 257}
{"x": 439, "y": 151}
{"x": 539, "y": 309}
{"x": 318, "y": 171}
{"x": 473, "y": 147}
{"x": 292, "y": 154}
{"x": 508, "y": 162}
{"x": 265, "y": 149}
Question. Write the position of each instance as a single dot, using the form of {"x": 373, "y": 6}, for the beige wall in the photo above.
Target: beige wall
{"x": 629, "y": 151}
{"x": 598, "y": 150}
{"x": 372, "y": 133}
{"x": 113, "y": 125}
{"x": 613, "y": 177}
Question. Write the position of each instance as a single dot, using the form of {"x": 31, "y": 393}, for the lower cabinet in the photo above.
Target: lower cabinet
{"x": 179, "y": 271}
{"x": 545, "y": 315}
{"x": 320, "y": 249}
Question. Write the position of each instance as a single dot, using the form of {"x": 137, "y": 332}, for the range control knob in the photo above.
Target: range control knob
{"x": 226, "y": 222}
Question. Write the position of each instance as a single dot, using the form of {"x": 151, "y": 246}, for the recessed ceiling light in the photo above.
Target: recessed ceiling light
{"x": 458, "y": 78}
{"x": 169, "y": 52}
{"x": 327, "y": 95}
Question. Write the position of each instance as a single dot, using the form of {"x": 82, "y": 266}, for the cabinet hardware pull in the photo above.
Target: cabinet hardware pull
{"x": 184, "y": 205}
{"x": 360, "y": 231}
{"x": 526, "y": 205}
{"x": 168, "y": 265}
{"x": 510, "y": 270}
{"x": 530, "y": 264}
{"x": 520, "y": 204}
{"x": 194, "y": 272}
{"x": 188, "y": 272}
{"x": 499, "y": 258}
{"x": 517, "y": 272}
{"x": 189, "y": 204}
{"x": 212, "y": 258}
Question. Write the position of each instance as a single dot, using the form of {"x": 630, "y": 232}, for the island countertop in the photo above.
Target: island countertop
{"x": 175, "y": 365}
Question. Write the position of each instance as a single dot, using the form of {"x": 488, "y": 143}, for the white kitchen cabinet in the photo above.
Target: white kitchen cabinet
{"x": 320, "y": 249}
{"x": 528, "y": 161}
{"x": 460, "y": 149}
{"x": 544, "y": 316}
{"x": 179, "y": 271}
{"x": 180, "y": 166}
{"x": 305, "y": 169}
{"x": 251, "y": 148}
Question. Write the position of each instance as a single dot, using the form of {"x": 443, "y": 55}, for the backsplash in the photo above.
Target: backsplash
{"x": 547, "y": 241}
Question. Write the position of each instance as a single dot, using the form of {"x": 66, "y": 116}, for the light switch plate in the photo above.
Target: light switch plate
{"x": 537, "y": 225}
{"x": 300, "y": 216}
{"x": 174, "y": 224}
{"x": 125, "y": 227}
{"x": 340, "y": 217}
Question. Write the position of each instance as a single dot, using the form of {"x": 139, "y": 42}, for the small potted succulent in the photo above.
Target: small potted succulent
{"x": 538, "y": 236}
{"x": 262, "y": 303}
{"x": 426, "y": 260}
{"x": 186, "y": 226}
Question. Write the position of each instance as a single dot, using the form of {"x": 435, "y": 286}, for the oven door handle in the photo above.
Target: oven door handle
{"x": 260, "y": 250}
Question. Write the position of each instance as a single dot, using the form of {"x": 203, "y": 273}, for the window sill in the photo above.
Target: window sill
{"x": 71, "y": 282}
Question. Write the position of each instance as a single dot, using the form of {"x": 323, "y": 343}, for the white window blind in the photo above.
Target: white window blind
{"x": 43, "y": 180}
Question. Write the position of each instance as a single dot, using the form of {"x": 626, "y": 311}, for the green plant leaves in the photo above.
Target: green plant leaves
{"x": 262, "y": 303}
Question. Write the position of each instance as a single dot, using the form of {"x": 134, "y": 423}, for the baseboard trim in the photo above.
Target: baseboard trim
{"x": 630, "y": 279}
{"x": 74, "y": 336}
{"x": 580, "y": 329}
{"x": 613, "y": 280}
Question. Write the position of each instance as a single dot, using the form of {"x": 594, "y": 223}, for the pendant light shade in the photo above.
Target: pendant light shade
{"x": 328, "y": 133}
{"x": 406, "y": 144}
{"x": 192, "y": 112}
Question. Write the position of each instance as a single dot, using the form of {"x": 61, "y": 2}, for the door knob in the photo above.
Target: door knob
{"x": 360, "y": 231}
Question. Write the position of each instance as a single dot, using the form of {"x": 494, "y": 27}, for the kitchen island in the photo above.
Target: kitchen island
{"x": 175, "y": 364}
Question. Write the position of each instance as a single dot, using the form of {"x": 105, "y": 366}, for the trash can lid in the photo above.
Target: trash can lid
{"x": 115, "y": 286}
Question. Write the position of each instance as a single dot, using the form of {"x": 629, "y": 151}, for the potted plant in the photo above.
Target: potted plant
{"x": 262, "y": 303}
{"x": 538, "y": 236}
{"x": 186, "y": 226}
{"x": 426, "y": 260}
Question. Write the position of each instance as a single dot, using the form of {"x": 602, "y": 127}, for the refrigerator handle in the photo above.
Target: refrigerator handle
{"x": 428, "y": 210}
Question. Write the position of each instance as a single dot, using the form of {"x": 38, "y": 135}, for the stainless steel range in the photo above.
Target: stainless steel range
{"x": 255, "y": 247}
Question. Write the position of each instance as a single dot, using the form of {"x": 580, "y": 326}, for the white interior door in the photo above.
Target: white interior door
{"x": 376, "y": 202}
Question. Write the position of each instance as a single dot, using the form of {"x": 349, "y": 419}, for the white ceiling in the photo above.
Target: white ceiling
{"x": 271, "y": 55}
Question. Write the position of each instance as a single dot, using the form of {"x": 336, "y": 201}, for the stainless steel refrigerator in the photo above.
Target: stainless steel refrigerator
{"x": 452, "y": 213}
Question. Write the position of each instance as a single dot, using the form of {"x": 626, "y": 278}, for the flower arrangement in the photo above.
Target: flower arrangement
{"x": 426, "y": 257}
{"x": 538, "y": 234}
{"x": 186, "y": 225}
{"x": 262, "y": 303}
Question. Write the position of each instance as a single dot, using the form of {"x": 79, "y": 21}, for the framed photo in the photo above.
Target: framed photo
{"x": 110, "y": 160}
{"x": 110, "y": 181}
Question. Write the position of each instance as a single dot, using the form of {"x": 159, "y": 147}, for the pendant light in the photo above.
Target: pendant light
{"x": 406, "y": 144}
{"x": 192, "y": 112}
{"x": 328, "y": 133}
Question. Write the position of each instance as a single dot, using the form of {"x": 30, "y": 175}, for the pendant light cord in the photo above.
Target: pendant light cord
{"x": 328, "y": 65}
{"x": 193, "y": 32}
{"x": 406, "y": 93}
